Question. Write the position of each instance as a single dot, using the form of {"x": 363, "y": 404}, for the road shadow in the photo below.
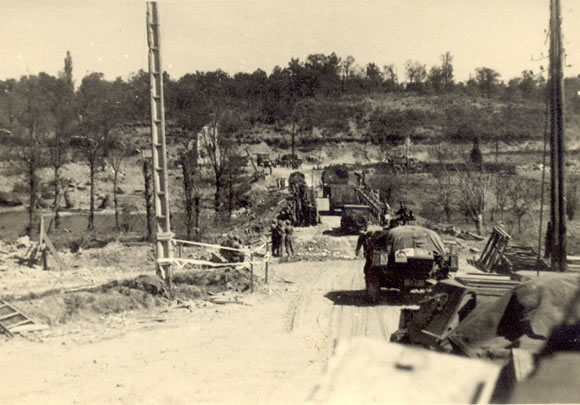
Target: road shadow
{"x": 359, "y": 298}
{"x": 336, "y": 232}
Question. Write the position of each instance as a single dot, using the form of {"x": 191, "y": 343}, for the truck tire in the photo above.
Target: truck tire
{"x": 373, "y": 287}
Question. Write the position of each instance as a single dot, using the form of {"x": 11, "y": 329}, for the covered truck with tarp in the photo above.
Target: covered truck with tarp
{"x": 302, "y": 207}
{"x": 404, "y": 257}
{"x": 335, "y": 175}
{"x": 527, "y": 313}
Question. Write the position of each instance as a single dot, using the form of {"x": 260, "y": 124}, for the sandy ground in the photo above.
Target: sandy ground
{"x": 271, "y": 348}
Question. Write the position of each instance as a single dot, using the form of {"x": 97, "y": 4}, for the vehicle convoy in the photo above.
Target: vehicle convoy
{"x": 405, "y": 257}
{"x": 354, "y": 219}
{"x": 302, "y": 209}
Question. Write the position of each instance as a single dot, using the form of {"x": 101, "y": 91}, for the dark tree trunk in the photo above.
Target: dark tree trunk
{"x": 447, "y": 211}
{"x": 91, "y": 224}
{"x": 115, "y": 199}
{"x": 197, "y": 210}
{"x": 218, "y": 193}
{"x": 32, "y": 208}
{"x": 478, "y": 221}
{"x": 187, "y": 170}
{"x": 56, "y": 209}
{"x": 230, "y": 198}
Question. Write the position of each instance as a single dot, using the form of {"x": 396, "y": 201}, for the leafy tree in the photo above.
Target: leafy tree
{"x": 435, "y": 79}
{"x": 486, "y": 79}
{"x": 100, "y": 110}
{"x": 390, "y": 77}
{"x": 374, "y": 76}
{"x": 416, "y": 73}
{"x": 447, "y": 71}
{"x": 138, "y": 97}
{"x": 32, "y": 124}
{"x": 324, "y": 72}
{"x": 118, "y": 147}
{"x": 7, "y": 104}
{"x": 191, "y": 188}
{"x": 527, "y": 84}
{"x": 347, "y": 66}
{"x": 392, "y": 127}
{"x": 63, "y": 109}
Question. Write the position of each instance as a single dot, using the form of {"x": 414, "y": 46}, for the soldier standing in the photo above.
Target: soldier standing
{"x": 275, "y": 238}
{"x": 282, "y": 242}
{"x": 289, "y": 239}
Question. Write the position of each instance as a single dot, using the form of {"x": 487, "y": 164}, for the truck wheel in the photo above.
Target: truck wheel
{"x": 404, "y": 291}
{"x": 373, "y": 287}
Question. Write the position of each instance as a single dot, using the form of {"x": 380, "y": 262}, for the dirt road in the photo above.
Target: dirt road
{"x": 271, "y": 348}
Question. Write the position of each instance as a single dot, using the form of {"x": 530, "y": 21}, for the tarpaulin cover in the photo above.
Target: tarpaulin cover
{"x": 528, "y": 312}
{"x": 409, "y": 236}
{"x": 335, "y": 175}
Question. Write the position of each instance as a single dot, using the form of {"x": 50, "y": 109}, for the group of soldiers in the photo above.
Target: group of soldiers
{"x": 282, "y": 238}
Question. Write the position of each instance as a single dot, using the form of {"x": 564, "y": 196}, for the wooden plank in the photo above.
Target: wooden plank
{"x": 59, "y": 261}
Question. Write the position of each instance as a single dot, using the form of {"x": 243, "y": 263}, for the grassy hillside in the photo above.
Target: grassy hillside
{"x": 390, "y": 118}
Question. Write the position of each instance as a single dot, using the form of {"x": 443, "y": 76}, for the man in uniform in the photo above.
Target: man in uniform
{"x": 275, "y": 238}
{"x": 289, "y": 239}
{"x": 363, "y": 243}
{"x": 282, "y": 232}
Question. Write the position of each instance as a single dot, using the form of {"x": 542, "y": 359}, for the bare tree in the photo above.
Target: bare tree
{"x": 118, "y": 149}
{"x": 446, "y": 188}
{"x": 217, "y": 142}
{"x": 503, "y": 185}
{"x": 474, "y": 187}
{"x": 523, "y": 196}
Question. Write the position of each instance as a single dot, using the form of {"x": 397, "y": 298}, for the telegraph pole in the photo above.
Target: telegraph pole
{"x": 557, "y": 145}
{"x": 163, "y": 248}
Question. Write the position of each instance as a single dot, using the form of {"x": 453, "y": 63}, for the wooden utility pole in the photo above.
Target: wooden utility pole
{"x": 163, "y": 248}
{"x": 557, "y": 146}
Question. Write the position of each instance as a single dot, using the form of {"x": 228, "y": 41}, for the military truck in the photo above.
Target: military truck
{"x": 302, "y": 201}
{"x": 354, "y": 219}
{"x": 341, "y": 195}
{"x": 404, "y": 257}
{"x": 263, "y": 160}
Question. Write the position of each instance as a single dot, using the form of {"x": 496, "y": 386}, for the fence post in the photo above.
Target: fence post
{"x": 266, "y": 271}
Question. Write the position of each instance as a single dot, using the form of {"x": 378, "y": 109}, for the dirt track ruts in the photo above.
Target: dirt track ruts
{"x": 271, "y": 351}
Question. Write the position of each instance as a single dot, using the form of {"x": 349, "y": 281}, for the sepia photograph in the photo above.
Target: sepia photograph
{"x": 289, "y": 202}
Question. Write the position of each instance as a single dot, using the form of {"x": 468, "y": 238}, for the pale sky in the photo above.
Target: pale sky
{"x": 243, "y": 35}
